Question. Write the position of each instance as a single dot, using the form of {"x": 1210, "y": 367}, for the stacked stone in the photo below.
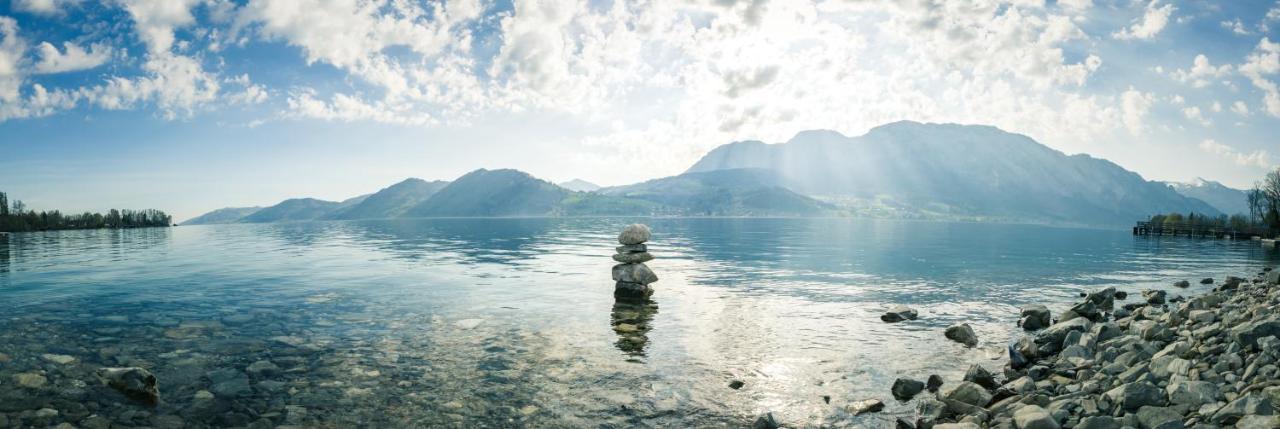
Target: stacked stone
{"x": 632, "y": 275}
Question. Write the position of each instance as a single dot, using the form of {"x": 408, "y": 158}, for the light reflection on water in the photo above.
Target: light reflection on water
{"x": 510, "y": 322}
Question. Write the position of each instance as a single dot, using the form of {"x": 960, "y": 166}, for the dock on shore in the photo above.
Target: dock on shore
{"x": 1200, "y": 231}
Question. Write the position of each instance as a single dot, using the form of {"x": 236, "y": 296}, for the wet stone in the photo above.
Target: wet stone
{"x": 30, "y": 380}
{"x": 135, "y": 383}
{"x": 865, "y": 406}
{"x": 229, "y": 382}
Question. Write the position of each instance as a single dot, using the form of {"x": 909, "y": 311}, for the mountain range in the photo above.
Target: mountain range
{"x": 1226, "y": 199}
{"x": 909, "y": 169}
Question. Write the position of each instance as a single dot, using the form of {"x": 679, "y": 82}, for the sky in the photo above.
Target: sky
{"x": 192, "y": 105}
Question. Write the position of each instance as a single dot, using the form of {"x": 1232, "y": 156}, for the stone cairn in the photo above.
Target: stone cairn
{"x": 632, "y": 275}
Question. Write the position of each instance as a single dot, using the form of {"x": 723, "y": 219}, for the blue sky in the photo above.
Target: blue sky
{"x": 191, "y": 105}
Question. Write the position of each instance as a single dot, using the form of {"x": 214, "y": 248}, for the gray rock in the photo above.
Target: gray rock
{"x": 262, "y": 368}
{"x": 632, "y": 292}
{"x": 962, "y": 333}
{"x": 1155, "y": 297}
{"x": 1098, "y": 422}
{"x": 1258, "y": 422}
{"x": 634, "y": 273}
{"x": 1251, "y": 403}
{"x": 962, "y": 425}
{"x": 1150, "y": 417}
{"x": 633, "y": 258}
{"x": 979, "y": 375}
{"x": 1192, "y": 393}
{"x": 1034, "y": 417}
{"x": 865, "y": 406}
{"x": 632, "y": 248}
{"x": 634, "y": 234}
{"x": 1182, "y": 284}
{"x": 968, "y": 393}
{"x": 135, "y": 383}
{"x": 1248, "y": 334}
{"x": 933, "y": 383}
{"x": 1051, "y": 338}
{"x": 229, "y": 383}
{"x": 898, "y": 314}
{"x": 1035, "y": 317}
{"x": 905, "y": 388}
{"x": 765, "y": 421}
{"x": 1135, "y": 395}
{"x": 1206, "y": 281}
{"x": 1273, "y": 278}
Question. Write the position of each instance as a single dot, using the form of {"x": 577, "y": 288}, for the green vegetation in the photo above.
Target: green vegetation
{"x": 1263, "y": 218}
{"x": 15, "y": 217}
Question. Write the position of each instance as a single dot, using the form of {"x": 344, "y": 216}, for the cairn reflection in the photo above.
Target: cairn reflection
{"x": 632, "y": 322}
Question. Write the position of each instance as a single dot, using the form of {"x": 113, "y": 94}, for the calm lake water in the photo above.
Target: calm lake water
{"x": 510, "y": 322}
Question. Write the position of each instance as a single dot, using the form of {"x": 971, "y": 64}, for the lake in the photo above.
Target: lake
{"x": 510, "y": 322}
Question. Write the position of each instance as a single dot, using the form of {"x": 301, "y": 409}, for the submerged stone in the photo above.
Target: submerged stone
{"x": 135, "y": 383}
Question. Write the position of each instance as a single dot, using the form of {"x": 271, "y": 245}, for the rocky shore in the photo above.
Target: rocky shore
{"x": 1208, "y": 361}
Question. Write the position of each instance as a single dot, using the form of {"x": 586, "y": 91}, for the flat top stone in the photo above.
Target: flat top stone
{"x": 634, "y": 234}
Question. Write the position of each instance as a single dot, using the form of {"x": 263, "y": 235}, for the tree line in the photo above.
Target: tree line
{"x": 15, "y": 217}
{"x": 1264, "y": 211}
{"x": 1264, "y": 201}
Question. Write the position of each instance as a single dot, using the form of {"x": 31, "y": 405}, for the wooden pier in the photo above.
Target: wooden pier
{"x": 1200, "y": 231}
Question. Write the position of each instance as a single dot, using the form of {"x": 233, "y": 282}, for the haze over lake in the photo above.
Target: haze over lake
{"x": 425, "y": 322}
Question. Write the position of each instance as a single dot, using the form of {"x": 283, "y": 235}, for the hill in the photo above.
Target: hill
{"x": 731, "y": 192}
{"x": 493, "y": 193}
{"x": 1225, "y": 199}
{"x": 392, "y": 201}
{"x": 223, "y": 215}
{"x": 965, "y": 170}
{"x": 297, "y": 209}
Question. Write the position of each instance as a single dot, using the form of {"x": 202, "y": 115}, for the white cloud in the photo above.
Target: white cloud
{"x": 1135, "y": 105}
{"x": 156, "y": 20}
{"x": 1193, "y": 113}
{"x": 1153, "y": 20}
{"x": 1236, "y": 26}
{"x": 71, "y": 58}
{"x": 1201, "y": 73}
{"x": 1240, "y": 108}
{"x": 1264, "y": 61}
{"x": 1258, "y": 158}
{"x": 11, "y": 48}
{"x": 1216, "y": 107}
{"x": 43, "y": 7}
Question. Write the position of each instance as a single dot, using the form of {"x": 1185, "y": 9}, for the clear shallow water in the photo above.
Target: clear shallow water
{"x": 509, "y": 322}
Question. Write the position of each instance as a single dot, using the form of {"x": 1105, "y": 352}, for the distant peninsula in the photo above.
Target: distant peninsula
{"x": 15, "y": 217}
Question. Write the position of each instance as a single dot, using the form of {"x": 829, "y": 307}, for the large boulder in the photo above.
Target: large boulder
{"x": 634, "y": 234}
{"x": 1248, "y": 334}
{"x": 1273, "y": 277}
{"x": 1050, "y": 340}
{"x": 1135, "y": 395}
{"x": 1154, "y": 297}
{"x": 962, "y": 333}
{"x": 899, "y": 313}
{"x": 1160, "y": 418}
{"x": 979, "y": 375}
{"x": 905, "y": 388}
{"x": 1249, "y": 404}
{"x": 1192, "y": 393}
{"x": 1034, "y": 417}
{"x": 136, "y": 383}
{"x": 1035, "y": 317}
{"x": 1105, "y": 299}
{"x": 968, "y": 393}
